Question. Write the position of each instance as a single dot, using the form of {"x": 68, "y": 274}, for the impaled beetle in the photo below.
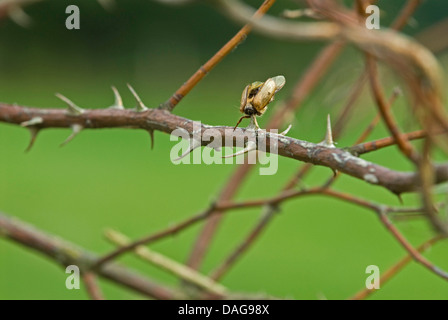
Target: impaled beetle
{"x": 257, "y": 95}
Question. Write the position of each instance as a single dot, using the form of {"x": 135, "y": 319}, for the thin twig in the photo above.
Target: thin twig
{"x": 210, "y": 64}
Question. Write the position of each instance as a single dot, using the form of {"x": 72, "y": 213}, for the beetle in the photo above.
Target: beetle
{"x": 256, "y": 97}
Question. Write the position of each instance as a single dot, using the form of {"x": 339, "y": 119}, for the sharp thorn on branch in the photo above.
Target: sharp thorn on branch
{"x": 284, "y": 133}
{"x": 194, "y": 145}
{"x": 251, "y": 146}
{"x": 328, "y": 141}
{"x": 73, "y": 109}
{"x": 140, "y": 106}
{"x": 34, "y": 131}
{"x": 118, "y": 104}
{"x": 32, "y": 122}
{"x": 19, "y": 16}
{"x": 151, "y": 134}
{"x": 76, "y": 129}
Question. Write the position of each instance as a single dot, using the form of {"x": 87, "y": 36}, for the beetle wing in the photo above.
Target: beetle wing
{"x": 264, "y": 96}
{"x": 279, "y": 82}
{"x": 244, "y": 98}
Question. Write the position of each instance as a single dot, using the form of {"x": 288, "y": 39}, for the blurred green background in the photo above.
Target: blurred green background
{"x": 316, "y": 247}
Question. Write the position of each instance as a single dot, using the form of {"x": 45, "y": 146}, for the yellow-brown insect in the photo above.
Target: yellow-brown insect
{"x": 257, "y": 95}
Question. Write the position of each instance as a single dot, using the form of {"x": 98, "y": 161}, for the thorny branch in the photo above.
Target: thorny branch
{"x": 418, "y": 68}
{"x": 156, "y": 119}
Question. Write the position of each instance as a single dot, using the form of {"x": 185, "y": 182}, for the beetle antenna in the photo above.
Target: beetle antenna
{"x": 239, "y": 121}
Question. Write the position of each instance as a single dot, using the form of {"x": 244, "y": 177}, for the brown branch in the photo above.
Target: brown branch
{"x": 303, "y": 88}
{"x": 171, "y": 266}
{"x": 384, "y": 108}
{"x": 382, "y": 211}
{"x": 374, "y": 145}
{"x": 66, "y": 254}
{"x": 415, "y": 254}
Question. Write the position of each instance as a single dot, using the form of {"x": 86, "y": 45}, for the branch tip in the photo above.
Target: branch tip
{"x": 73, "y": 109}
{"x": 34, "y": 131}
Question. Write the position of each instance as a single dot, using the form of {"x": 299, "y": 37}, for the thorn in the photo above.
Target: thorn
{"x": 286, "y": 131}
{"x": 328, "y": 141}
{"x": 151, "y": 134}
{"x": 397, "y": 92}
{"x": 294, "y": 14}
{"x": 19, "y": 16}
{"x": 118, "y": 101}
{"x": 196, "y": 144}
{"x": 400, "y": 198}
{"x": 73, "y": 109}
{"x": 32, "y": 122}
{"x": 140, "y": 106}
{"x": 34, "y": 132}
{"x": 76, "y": 129}
{"x": 251, "y": 145}
{"x": 335, "y": 172}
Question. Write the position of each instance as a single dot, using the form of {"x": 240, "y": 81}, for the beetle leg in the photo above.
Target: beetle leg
{"x": 239, "y": 121}
{"x": 254, "y": 118}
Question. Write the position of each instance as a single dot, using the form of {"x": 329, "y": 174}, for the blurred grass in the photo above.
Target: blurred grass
{"x": 110, "y": 178}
